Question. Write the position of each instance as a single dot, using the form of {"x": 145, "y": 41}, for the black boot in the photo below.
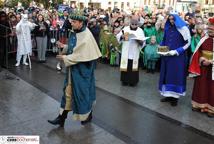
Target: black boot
{"x": 210, "y": 115}
{"x": 196, "y": 109}
{"x": 60, "y": 120}
{"x": 87, "y": 120}
{"x": 148, "y": 71}
{"x": 166, "y": 99}
{"x": 152, "y": 71}
{"x": 174, "y": 102}
{"x": 124, "y": 84}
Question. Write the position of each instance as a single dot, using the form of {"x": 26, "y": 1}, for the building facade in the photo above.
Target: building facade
{"x": 123, "y": 4}
{"x": 178, "y": 5}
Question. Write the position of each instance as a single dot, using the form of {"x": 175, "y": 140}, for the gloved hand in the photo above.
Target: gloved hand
{"x": 172, "y": 53}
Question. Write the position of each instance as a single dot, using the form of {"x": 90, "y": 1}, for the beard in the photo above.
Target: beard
{"x": 211, "y": 33}
{"x": 133, "y": 28}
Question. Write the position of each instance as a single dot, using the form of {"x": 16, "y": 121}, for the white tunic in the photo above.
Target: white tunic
{"x": 23, "y": 29}
{"x": 131, "y": 49}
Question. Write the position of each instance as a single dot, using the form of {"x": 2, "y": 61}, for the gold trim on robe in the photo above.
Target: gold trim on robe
{"x": 68, "y": 92}
{"x": 207, "y": 54}
{"x": 81, "y": 117}
{"x": 206, "y": 106}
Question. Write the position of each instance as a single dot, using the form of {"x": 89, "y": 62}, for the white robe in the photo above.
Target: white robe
{"x": 130, "y": 49}
{"x": 23, "y": 31}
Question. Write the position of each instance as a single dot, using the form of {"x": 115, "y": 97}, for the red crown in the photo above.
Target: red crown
{"x": 211, "y": 20}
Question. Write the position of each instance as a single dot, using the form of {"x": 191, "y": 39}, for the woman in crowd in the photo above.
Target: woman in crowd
{"x": 41, "y": 32}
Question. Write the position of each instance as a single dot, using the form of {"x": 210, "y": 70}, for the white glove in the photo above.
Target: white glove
{"x": 163, "y": 53}
{"x": 172, "y": 53}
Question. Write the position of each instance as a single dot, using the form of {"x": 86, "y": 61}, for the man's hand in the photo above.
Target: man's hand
{"x": 163, "y": 53}
{"x": 60, "y": 45}
{"x": 206, "y": 62}
{"x": 172, "y": 53}
{"x": 126, "y": 36}
{"x": 60, "y": 57}
{"x": 169, "y": 53}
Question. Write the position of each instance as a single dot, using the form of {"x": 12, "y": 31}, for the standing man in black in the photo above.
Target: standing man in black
{"x": 95, "y": 30}
{"x": 66, "y": 25}
{"x": 4, "y": 38}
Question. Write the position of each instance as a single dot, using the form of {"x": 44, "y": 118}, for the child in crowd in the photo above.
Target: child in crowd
{"x": 150, "y": 55}
{"x": 196, "y": 37}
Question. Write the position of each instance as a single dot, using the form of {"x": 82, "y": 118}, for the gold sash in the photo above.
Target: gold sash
{"x": 207, "y": 54}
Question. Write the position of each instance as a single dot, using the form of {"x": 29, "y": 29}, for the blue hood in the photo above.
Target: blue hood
{"x": 179, "y": 22}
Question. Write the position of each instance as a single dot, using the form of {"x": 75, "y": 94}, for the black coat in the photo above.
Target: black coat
{"x": 41, "y": 33}
{"x": 95, "y": 30}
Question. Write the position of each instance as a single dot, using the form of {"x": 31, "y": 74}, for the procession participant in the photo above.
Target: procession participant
{"x": 130, "y": 52}
{"x": 202, "y": 66}
{"x": 23, "y": 31}
{"x": 172, "y": 83}
{"x": 79, "y": 57}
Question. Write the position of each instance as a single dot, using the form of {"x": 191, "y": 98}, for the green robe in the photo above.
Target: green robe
{"x": 159, "y": 36}
{"x": 108, "y": 40}
{"x": 149, "y": 31}
{"x": 103, "y": 45}
{"x": 194, "y": 42}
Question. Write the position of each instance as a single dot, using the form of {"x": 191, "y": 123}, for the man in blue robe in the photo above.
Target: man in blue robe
{"x": 79, "y": 57}
{"x": 172, "y": 83}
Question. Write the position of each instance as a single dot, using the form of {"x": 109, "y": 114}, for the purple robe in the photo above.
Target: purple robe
{"x": 173, "y": 72}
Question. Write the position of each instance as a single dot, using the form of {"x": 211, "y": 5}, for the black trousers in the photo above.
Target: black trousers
{"x": 3, "y": 47}
{"x": 130, "y": 77}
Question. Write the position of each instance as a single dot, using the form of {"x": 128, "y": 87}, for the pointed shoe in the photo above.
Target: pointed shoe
{"x": 58, "y": 121}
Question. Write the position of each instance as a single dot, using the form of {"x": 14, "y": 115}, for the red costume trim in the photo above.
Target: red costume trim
{"x": 194, "y": 67}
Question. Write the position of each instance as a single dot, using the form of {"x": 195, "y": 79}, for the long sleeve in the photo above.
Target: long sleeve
{"x": 68, "y": 62}
{"x": 65, "y": 49}
{"x": 186, "y": 35}
{"x": 119, "y": 36}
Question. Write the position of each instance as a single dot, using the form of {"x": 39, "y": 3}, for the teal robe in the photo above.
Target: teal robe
{"x": 150, "y": 54}
{"x": 83, "y": 85}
